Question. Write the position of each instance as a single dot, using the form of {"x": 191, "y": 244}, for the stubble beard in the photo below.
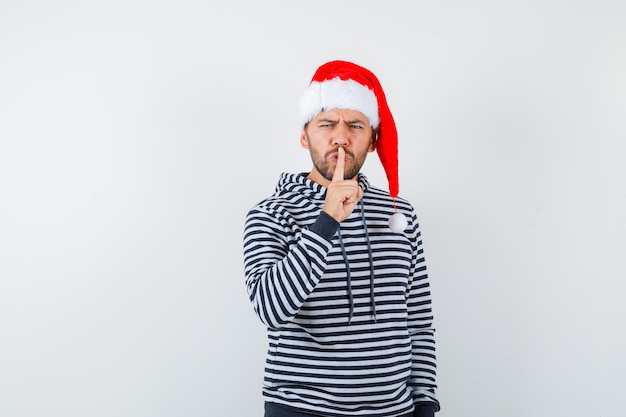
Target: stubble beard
{"x": 323, "y": 164}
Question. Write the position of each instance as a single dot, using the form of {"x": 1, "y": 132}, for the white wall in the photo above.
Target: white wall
{"x": 135, "y": 135}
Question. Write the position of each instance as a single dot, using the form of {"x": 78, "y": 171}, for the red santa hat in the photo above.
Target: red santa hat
{"x": 344, "y": 85}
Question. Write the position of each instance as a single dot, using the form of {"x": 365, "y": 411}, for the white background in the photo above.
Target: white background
{"x": 135, "y": 135}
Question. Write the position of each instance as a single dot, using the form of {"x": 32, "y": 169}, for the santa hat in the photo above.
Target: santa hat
{"x": 344, "y": 85}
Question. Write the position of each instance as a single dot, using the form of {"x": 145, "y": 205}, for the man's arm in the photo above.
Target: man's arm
{"x": 424, "y": 368}
{"x": 280, "y": 279}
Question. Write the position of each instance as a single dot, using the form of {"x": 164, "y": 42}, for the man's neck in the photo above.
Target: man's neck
{"x": 318, "y": 178}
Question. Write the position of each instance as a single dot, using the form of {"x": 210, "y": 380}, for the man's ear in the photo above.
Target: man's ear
{"x": 303, "y": 140}
{"x": 372, "y": 146}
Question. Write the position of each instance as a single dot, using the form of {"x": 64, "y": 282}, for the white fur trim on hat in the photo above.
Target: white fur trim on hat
{"x": 338, "y": 94}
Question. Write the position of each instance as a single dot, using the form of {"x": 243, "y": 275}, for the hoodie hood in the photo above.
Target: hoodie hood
{"x": 300, "y": 184}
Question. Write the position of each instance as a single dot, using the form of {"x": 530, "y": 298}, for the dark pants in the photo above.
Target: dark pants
{"x": 277, "y": 410}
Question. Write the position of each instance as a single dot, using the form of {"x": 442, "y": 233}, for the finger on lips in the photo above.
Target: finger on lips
{"x": 339, "y": 166}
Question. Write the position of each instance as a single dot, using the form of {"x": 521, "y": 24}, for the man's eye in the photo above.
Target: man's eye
{"x": 356, "y": 126}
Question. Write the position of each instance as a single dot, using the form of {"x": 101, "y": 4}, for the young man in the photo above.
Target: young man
{"x": 335, "y": 269}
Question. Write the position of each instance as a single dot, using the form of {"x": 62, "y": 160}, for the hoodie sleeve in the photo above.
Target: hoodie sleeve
{"x": 423, "y": 371}
{"x": 283, "y": 267}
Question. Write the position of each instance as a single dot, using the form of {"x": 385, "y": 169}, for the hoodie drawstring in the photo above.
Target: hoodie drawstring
{"x": 349, "y": 275}
{"x": 369, "y": 251}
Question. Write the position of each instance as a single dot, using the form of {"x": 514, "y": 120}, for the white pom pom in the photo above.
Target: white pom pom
{"x": 397, "y": 222}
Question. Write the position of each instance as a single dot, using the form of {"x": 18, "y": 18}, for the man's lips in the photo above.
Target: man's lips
{"x": 333, "y": 156}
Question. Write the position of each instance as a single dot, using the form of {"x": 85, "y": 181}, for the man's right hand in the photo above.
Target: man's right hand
{"x": 342, "y": 195}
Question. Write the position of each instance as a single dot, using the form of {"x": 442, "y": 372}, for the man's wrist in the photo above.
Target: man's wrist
{"x": 325, "y": 226}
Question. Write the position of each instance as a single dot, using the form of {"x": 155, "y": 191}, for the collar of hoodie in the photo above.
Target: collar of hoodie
{"x": 299, "y": 183}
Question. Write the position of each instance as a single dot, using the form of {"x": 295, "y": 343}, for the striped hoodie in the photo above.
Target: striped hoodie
{"x": 347, "y": 306}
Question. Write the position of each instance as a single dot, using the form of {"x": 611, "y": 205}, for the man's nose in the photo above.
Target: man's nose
{"x": 341, "y": 135}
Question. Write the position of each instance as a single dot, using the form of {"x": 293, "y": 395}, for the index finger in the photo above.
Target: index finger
{"x": 339, "y": 166}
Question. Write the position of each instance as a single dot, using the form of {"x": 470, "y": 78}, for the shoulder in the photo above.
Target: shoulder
{"x": 281, "y": 201}
{"x": 379, "y": 197}
{"x": 285, "y": 207}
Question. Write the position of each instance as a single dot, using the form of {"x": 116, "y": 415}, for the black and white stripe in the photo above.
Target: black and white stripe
{"x": 296, "y": 279}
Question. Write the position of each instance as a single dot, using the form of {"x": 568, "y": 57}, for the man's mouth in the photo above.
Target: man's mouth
{"x": 333, "y": 155}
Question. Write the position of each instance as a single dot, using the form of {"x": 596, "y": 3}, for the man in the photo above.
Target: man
{"x": 335, "y": 269}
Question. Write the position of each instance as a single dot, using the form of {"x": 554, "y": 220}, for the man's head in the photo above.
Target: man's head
{"x": 333, "y": 129}
{"x": 341, "y": 92}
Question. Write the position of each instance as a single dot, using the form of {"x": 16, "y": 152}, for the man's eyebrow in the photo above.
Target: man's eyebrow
{"x": 355, "y": 121}
{"x": 348, "y": 122}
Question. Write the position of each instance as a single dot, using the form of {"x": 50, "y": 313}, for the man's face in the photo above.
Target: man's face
{"x": 328, "y": 131}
